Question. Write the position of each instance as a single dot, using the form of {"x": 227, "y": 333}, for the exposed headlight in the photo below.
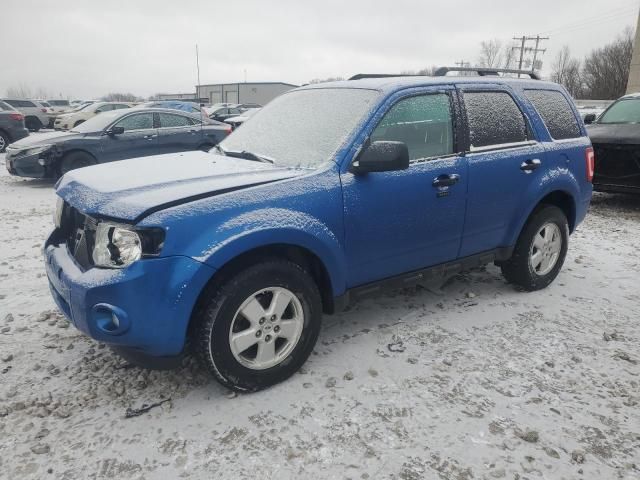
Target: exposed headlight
{"x": 36, "y": 150}
{"x": 116, "y": 246}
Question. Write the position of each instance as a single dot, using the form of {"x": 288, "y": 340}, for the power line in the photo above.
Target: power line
{"x": 588, "y": 21}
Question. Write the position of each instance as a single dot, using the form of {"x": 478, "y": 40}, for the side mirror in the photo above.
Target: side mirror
{"x": 589, "y": 118}
{"x": 382, "y": 156}
{"x": 115, "y": 131}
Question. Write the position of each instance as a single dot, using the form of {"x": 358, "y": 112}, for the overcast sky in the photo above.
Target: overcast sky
{"x": 87, "y": 48}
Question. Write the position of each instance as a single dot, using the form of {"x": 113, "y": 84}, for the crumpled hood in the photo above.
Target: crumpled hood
{"x": 44, "y": 139}
{"x": 626, "y": 134}
{"x": 132, "y": 189}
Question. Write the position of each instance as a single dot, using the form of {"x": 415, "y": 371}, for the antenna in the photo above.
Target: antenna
{"x": 198, "y": 88}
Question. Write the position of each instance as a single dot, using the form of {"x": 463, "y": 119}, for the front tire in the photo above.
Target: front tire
{"x": 540, "y": 250}
{"x": 259, "y": 326}
{"x": 75, "y": 160}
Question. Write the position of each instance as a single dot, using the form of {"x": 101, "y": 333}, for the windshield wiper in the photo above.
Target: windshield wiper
{"x": 248, "y": 156}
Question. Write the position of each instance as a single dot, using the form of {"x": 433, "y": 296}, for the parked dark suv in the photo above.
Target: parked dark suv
{"x": 12, "y": 126}
{"x": 330, "y": 193}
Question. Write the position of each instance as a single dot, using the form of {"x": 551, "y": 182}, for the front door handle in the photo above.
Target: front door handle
{"x": 193, "y": 131}
{"x": 149, "y": 137}
{"x": 446, "y": 180}
{"x": 529, "y": 166}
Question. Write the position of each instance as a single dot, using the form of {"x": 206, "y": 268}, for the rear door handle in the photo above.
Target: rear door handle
{"x": 149, "y": 137}
{"x": 446, "y": 180}
{"x": 193, "y": 131}
{"x": 529, "y": 166}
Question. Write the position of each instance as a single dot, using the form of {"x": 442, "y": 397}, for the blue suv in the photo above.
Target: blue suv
{"x": 330, "y": 193}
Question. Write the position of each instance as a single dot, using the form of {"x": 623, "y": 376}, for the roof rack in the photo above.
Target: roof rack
{"x": 442, "y": 71}
{"x": 360, "y": 76}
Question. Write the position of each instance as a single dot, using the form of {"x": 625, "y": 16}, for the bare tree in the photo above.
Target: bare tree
{"x": 322, "y": 80}
{"x": 508, "y": 56}
{"x": 120, "y": 97}
{"x": 566, "y": 71}
{"x": 605, "y": 70}
{"x": 490, "y": 53}
{"x": 19, "y": 91}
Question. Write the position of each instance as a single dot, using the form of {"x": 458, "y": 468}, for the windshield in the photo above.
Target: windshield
{"x": 623, "y": 111}
{"x": 99, "y": 122}
{"x": 303, "y": 128}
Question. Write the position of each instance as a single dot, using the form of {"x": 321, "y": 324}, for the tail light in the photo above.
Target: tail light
{"x": 590, "y": 162}
{"x": 44, "y": 110}
{"x": 16, "y": 116}
{"x": 228, "y": 130}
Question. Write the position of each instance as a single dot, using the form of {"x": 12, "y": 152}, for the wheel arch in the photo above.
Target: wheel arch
{"x": 558, "y": 197}
{"x": 309, "y": 260}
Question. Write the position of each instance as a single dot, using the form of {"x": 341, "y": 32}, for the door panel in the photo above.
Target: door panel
{"x": 178, "y": 134}
{"x": 496, "y": 185}
{"x": 399, "y": 221}
{"x": 139, "y": 139}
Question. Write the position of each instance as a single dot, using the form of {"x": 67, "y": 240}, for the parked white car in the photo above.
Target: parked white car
{"x": 36, "y": 116}
{"x": 67, "y": 121}
{"x": 60, "y": 106}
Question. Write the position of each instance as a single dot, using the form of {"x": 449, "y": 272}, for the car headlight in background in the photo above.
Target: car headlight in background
{"x": 57, "y": 214}
{"x": 118, "y": 246}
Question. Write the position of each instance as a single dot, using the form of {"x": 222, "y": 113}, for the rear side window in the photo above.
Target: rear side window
{"x": 556, "y": 112}
{"x": 422, "y": 122}
{"x": 120, "y": 106}
{"x": 169, "y": 120}
{"x": 494, "y": 119}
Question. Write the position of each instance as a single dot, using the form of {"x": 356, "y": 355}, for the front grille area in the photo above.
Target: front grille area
{"x": 617, "y": 164}
{"x": 78, "y": 231}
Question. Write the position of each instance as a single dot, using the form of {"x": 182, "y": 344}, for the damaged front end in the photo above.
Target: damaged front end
{"x": 36, "y": 162}
{"x": 617, "y": 168}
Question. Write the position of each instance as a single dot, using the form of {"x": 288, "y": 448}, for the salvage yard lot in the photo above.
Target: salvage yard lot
{"x": 471, "y": 380}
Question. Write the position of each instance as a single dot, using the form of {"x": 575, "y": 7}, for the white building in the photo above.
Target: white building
{"x": 250, "y": 92}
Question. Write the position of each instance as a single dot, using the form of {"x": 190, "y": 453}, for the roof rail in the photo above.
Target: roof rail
{"x": 442, "y": 71}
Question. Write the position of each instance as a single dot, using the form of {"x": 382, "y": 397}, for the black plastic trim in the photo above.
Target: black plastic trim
{"x": 442, "y": 271}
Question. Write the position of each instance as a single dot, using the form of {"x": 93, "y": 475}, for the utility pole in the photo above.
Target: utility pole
{"x": 523, "y": 39}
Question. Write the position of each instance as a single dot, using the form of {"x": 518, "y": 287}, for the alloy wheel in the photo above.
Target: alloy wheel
{"x": 545, "y": 249}
{"x": 266, "y": 328}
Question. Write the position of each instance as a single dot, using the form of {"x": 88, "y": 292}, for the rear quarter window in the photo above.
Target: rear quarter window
{"x": 494, "y": 119}
{"x": 556, "y": 112}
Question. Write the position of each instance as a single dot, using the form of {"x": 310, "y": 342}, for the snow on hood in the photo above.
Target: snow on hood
{"x": 130, "y": 189}
{"x": 42, "y": 139}
{"x": 620, "y": 133}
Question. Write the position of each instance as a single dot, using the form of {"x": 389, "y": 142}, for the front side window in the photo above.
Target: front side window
{"x": 494, "y": 119}
{"x": 556, "y": 113}
{"x": 141, "y": 121}
{"x": 626, "y": 110}
{"x": 423, "y": 123}
{"x": 168, "y": 120}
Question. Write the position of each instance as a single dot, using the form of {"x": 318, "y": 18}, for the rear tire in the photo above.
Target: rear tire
{"x": 4, "y": 141}
{"x": 33, "y": 124}
{"x": 540, "y": 250}
{"x": 75, "y": 160}
{"x": 259, "y": 326}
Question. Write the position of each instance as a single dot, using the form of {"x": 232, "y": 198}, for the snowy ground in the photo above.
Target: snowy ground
{"x": 472, "y": 381}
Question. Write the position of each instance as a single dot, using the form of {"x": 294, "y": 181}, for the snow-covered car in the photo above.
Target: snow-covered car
{"x": 235, "y": 122}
